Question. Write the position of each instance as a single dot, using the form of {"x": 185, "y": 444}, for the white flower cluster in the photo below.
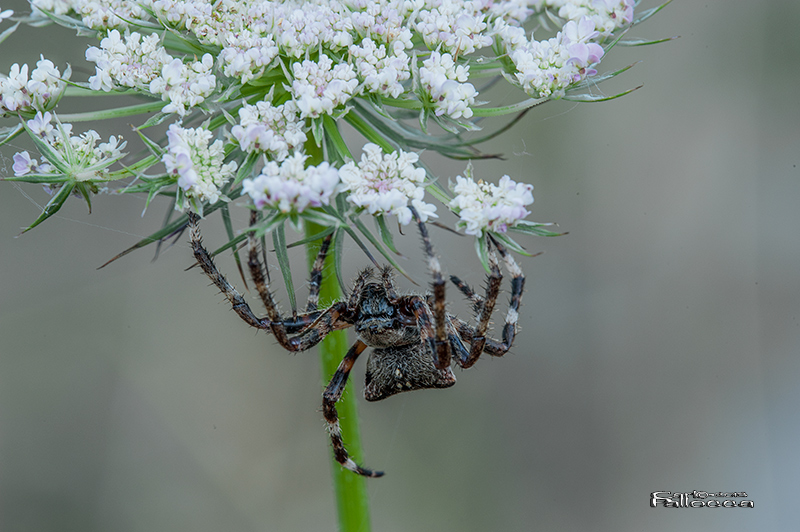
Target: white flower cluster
{"x": 184, "y": 85}
{"x": 320, "y": 86}
{"x": 454, "y": 26}
{"x": 197, "y": 163}
{"x": 446, "y": 83}
{"x": 386, "y": 184}
{"x": 381, "y": 72}
{"x": 272, "y": 129}
{"x": 607, "y": 15}
{"x": 143, "y": 63}
{"x": 246, "y": 56}
{"x": 291, "y": 187}
{"x": 96, "y": 14}
{"x": 39, "y": 93}
{"x": 488, "y": 207}
{"x": 82, "y": 157}
{"x": 130, "y": 61}
{"x": 548, "y": 68}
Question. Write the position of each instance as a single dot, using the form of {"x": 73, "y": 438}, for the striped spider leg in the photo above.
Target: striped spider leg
{"x": 483, "y": 307}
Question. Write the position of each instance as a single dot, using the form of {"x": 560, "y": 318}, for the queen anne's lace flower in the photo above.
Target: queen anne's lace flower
{"x": 548, "y": 68}
{"x": 81, "y": 157}
{"x": 130, "y": 61}
{"x": 197, "y": 163}
{"x": 39, "y": 93}
{"x": 381, "y": 73}
{"x": 291, "y": 186}
{"x": 487, "y": 207}
{"x": 446, "y": 83}
{"x": 387, "y": 183}
{"x": 274, "y": 130}
{"x": 319, "y": 87}
{"x": 184, "y": 85}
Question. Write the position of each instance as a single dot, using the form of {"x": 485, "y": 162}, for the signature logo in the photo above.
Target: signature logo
{"x": 700, "y": 499}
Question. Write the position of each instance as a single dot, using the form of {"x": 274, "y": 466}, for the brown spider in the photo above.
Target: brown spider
{"x": 412, "y": 336}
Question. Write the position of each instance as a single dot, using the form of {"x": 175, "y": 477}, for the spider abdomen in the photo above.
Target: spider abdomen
{"x": 393, "y": 370}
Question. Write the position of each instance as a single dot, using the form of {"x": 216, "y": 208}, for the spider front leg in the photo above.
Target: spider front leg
{"x": 441, "y": 347}
{"x": 238, "y": 303}
{"x": 333, "y": 392}
{"x": 317, "y": 324}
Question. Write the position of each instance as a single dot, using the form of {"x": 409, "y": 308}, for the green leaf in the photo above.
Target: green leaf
{"x": 533, "y": 228}
{"x": 641, "y": 42}
{"x": 7, "y": 134}
{"x": 7, "y": 33}
{"x": 377, "y": 244}
{"x": 338, "y": 240}
{"x": 482, "y": 251}
{"x": 509, "y": 109}
{"x": 644, "y": 15}
{"x": 592, "y": 98}
{"x": 119, "y": 112}
{"x": 47, "y": 151}
{"x": 386, "y": 234}
{"x": 226, "y": 221}
{"x": 313, "y": 238}
{"x": 358, "y": 122}
{"x": 53, "y": 205}
{"x": 511, "y": 244}
{"x": 279, "y": 241}
{"x": 334, "y": 136}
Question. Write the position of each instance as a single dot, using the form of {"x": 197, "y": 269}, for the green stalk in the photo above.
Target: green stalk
{"x": 352, "y": 501}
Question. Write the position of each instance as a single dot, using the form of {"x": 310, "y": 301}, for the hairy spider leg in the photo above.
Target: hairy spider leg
{"x": 333, "y": 392}
{"x": 315, "y": 279}
{"x": 441, "y": 347}
{"x": 468, "y": 333}
{"x": 493, "y": 280}
{"x": 517, "y": 286}
{"x": 238, "y": 303}
{"x": 310, "y": 328}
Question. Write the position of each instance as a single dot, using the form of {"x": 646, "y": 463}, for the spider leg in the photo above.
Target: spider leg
{"x": 468, "y": 333}
{"x": 315, "y": 279}
{"x": 517, "y": 286}
{"x": 238, "y": 303}
{"x": 441, "y": 347}
{"x": 279, "y": 326}
{"x": 484, "y": 313}
{"x": 333, "y": 392}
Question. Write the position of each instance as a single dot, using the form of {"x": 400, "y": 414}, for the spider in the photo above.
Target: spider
{"x": 413, "y": 338}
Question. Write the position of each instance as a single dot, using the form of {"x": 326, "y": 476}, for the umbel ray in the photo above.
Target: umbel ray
{"x": 414, "y": 340}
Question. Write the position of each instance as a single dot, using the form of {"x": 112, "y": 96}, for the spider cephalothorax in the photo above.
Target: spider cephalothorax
{"x": 413, "y": 338}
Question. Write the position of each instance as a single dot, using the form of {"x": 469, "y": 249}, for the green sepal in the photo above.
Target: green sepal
{"x": 644, "y": 15}
{"x": 592, "y": 98}
{"x": 381, "y": 249}
{"x": 334, "y": 137}
{"x": 386, "y": 234}
{"x": 313, "y": 238}
{"x": 483, "y": 253}
{"x": 53, "y": 205}
{"x": 511, "y": 244}
{"x": 9, "y": 133}
{"x": 119, "y": 112}
{"x": 7, "y": 33}
{"x": 279, "y": 241}
{"x": 641, "y": 42}
{"x": 534, "y": 228}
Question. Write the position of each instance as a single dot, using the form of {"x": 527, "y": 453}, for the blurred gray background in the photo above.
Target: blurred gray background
{"x": 658, "y": 348}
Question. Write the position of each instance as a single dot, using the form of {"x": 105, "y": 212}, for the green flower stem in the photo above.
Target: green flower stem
{"x": 352, "y": 501}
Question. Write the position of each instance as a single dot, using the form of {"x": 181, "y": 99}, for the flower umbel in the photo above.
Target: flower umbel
{"x": 385, "y": 183}
{"x": 487, "y": 207}
{"x": 198, "y": 165}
